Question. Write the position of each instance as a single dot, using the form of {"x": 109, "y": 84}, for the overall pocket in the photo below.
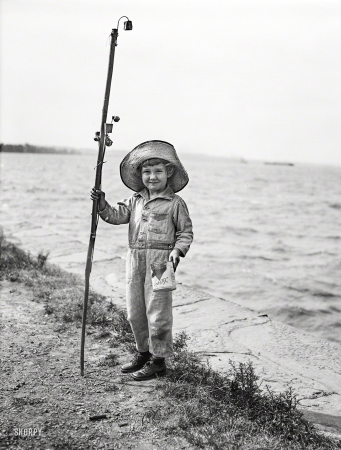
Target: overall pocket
{"x": 158, "y": 223}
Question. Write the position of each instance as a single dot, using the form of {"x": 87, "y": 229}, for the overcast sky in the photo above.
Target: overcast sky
{"x": 244, "y": 78}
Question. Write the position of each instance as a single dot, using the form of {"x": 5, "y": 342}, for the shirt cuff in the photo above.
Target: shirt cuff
{"x": 181, "y": 250}
{"x": 102, "y": 210}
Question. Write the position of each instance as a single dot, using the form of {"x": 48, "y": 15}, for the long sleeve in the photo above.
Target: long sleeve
{"x": 118, "y": 214}
{"x": 183, "y": 225}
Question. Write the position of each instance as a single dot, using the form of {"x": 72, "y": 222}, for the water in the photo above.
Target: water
{"x": 266, "y": 237}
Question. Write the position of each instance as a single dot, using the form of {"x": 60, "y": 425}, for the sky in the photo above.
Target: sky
{"x": 252, "y": 79}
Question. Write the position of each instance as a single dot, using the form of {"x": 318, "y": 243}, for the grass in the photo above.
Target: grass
{"x": 230, "y": 410}
{"x": 209, "y": 409}
{"x": 62, "y": 293}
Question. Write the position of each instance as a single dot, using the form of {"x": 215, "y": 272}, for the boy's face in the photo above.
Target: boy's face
{"x": 155, "y": 178}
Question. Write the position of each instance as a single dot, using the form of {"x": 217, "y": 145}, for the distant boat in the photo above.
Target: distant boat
{"x": 278, "y": 164}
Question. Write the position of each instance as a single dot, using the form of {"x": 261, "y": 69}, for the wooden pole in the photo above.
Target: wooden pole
{"x": 98, "y": 182}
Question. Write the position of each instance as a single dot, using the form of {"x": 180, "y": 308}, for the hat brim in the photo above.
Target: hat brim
{"x": 129, "y": 167}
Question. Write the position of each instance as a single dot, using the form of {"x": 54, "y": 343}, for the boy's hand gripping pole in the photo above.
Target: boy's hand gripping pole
{"x": 103, "y": 141}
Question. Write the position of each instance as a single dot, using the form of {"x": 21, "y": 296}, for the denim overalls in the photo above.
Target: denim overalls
{"x": 156, "y": 226}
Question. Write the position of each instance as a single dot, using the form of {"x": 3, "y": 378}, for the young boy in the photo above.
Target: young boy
{"x": 160, "y": 230}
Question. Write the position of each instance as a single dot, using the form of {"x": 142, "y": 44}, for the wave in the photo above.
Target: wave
{"x": 321, "y": 252}
{"x": 240, "y": 231}
{"x": 35, "y": 189}
{"x": 313, "y": 293}
{"x": 279, "y": 249}
{"x": 324, "y": 294}
{"x": 263, "y": 258}
{"x": 335, "y": 205}
{"x": 299, "y": 311}
{"x": 298, "y": 289}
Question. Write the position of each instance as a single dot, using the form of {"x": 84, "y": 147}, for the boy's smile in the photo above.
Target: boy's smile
{"x": 155, "y": 178}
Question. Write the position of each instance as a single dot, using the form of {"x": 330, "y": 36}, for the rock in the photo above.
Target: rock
{"x": 98, "y": 417}
{"x": 123, "y": 424}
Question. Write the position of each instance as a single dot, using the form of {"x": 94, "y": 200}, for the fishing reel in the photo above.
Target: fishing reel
{"x": 108, "y": 129}
{"x": 108, "y": 141}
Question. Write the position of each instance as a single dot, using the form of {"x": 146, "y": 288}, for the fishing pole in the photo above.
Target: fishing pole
{"x": 103, "y": 141}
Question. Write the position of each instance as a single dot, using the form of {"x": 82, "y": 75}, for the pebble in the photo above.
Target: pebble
{"x": 98, "y": 417}
{"x": 123, "y": 424}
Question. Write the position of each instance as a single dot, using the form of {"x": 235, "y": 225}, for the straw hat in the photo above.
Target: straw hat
{"x": 129, "y": 167}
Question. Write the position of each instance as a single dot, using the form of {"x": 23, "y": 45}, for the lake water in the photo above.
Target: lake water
{"x": 267, "y": 237}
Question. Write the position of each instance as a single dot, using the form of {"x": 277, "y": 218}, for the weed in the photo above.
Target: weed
{"x": 103, "y": 333}
{"x": 123, "y": 331}
{"x": 41, "y": 259}
{"x": 48, "y": 309}
{"x": 110, "y": 360}
{"x": 13, "y": 260}
{"x": 209, "y": 405}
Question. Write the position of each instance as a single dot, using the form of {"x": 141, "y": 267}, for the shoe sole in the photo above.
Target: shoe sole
{"x": 131, "y": 370}
{"x": 150, "y": 377}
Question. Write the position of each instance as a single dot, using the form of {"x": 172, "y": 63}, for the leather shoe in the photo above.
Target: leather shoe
{"x": 150, "y": 370}
{"x": 136, "y": 363}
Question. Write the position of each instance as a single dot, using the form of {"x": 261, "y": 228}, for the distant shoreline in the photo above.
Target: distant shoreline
{"x": 27, "y": 148}
{"x": 279, "y": 163}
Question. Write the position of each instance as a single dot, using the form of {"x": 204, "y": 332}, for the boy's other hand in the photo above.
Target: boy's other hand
{"x": 175, "y": 258}
{"x": 98, "y": 195}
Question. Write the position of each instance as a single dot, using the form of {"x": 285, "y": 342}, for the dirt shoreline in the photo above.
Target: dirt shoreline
{"x": 42, "y": 388}
{"x": 282, "y": 355}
